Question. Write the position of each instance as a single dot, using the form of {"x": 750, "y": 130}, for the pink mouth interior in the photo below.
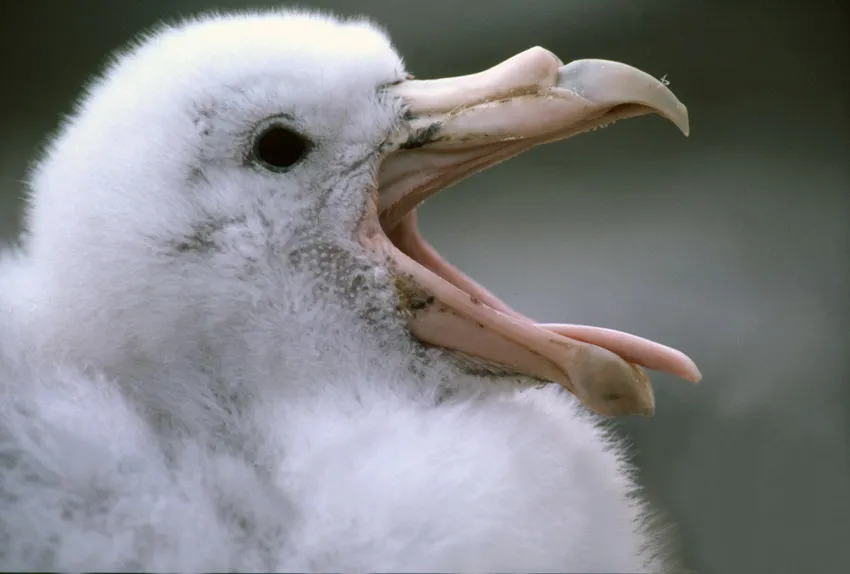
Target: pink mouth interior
{"x": 406, "y": 237}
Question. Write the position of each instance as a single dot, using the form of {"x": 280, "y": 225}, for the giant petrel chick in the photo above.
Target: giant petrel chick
{"x": 224, "y": 345}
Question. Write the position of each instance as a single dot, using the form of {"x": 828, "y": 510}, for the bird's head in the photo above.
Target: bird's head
{"x": 246, "y": 187}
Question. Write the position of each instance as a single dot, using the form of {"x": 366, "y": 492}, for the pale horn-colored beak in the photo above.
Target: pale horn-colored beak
{"x": 458, "y": 126}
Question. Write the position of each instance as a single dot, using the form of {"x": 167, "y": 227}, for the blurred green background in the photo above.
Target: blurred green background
{"x": 731, "y": 245}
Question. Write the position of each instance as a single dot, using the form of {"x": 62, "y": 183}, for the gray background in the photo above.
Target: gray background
{"x": 732, "y": 244}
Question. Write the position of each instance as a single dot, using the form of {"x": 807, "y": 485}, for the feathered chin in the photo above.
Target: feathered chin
{"x": 455, "y": 127}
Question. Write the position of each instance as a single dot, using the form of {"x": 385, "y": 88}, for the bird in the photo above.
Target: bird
{"x": 226, "y": 346}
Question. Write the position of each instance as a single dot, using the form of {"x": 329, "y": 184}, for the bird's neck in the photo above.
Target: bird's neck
{"x": 207, "y": 371}
{"x": 204, "y": 358}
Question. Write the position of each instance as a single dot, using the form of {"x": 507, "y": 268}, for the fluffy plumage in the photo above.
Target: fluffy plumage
{"x": 200, "y": 368}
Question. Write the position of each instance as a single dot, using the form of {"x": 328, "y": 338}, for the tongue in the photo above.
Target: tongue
{"x": 632, "y": 348}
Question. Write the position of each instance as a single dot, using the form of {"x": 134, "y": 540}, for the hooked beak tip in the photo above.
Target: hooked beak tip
{"x": 604, "y": 82}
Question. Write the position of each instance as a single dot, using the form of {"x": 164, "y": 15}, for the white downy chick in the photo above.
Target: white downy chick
{"x": 225, "y": 346}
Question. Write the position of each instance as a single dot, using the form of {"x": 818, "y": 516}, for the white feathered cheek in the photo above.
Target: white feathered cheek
{"x": 455, "y": 127}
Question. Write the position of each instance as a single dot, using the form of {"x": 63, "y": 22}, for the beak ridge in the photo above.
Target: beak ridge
{"x": 533, "y": 96}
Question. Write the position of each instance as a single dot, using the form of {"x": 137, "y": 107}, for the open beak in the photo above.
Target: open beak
{"x": 457, "y": 126}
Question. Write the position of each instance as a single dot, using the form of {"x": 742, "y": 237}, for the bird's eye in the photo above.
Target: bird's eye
{"x": 278, "y": 148}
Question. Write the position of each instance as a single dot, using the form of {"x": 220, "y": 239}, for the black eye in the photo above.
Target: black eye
{"x": 277, "y": 148}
